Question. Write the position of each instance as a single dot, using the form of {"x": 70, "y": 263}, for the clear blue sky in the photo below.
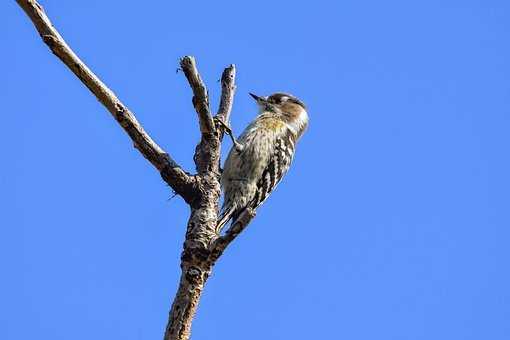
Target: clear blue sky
{"x": 393, "y": 223}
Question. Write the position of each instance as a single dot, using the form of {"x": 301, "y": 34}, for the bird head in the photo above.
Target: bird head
{"x": 287, "y": 107}
{"x": 280, "y": 103}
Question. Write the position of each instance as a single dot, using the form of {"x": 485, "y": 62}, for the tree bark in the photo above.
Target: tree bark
{"x": 202, "y": 245}
{"x": 185, "y": 303}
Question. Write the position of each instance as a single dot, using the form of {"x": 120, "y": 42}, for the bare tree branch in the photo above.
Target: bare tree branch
{"x": 196, "y": 262}
{"x": 185, "y": 303}
{"x": 172, "y": 173}
{"x": 207, "y": 156}
{"x": 202, "y": 246}
{"x": 228, "y": 89}
{"x": 200, "y": 95}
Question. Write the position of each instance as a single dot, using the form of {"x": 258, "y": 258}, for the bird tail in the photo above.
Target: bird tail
{"x": 226, "y": 214}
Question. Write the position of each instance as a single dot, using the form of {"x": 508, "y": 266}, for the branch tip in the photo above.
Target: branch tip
{"x": 228, "y": 89}
{"x": 200, "y": 94}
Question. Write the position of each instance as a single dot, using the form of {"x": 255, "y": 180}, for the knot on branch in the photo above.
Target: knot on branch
{"x": 120, "y": 115}
{"x": 229, "y": 75}
{"x": 193, "y": 274}
{"x": 49, "y": 40}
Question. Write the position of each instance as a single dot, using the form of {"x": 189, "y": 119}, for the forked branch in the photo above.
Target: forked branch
{"x": 203, "y": 246}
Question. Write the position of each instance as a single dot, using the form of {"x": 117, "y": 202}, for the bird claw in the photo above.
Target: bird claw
{"x": 238, "y": 146}
{"x": 224, "y": 125}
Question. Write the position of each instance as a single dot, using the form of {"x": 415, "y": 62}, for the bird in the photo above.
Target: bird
{"x": 262, "y": 155}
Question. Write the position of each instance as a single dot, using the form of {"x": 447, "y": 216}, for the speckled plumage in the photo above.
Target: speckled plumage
{"x": 267, "y": 149}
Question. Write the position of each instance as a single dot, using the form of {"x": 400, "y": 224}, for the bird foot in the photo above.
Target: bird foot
{"x": 238, "y": 146}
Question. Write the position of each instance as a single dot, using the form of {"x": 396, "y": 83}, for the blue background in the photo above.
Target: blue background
{"x": 392, "y": 224}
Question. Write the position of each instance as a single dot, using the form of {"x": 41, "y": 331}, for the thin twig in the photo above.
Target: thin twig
{"x": 228, "y": 89}
{"x": 200, "y": 95}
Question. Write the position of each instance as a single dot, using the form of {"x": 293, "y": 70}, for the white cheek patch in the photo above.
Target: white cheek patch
{"x": 299, "y": 125}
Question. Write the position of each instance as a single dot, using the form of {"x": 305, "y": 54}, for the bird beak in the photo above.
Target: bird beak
{"x": 257, "y": 98}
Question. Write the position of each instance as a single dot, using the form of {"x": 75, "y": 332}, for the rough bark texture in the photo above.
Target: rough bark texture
{"x": 185, "y": 303}
{"x": 202, "y": 245}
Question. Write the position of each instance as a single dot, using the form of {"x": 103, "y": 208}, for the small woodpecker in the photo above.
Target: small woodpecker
{"x": 262, "y": 155}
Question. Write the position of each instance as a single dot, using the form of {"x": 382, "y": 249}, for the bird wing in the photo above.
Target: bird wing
{"x": 252, "y": 174}
{"x": 277, "y": 166}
